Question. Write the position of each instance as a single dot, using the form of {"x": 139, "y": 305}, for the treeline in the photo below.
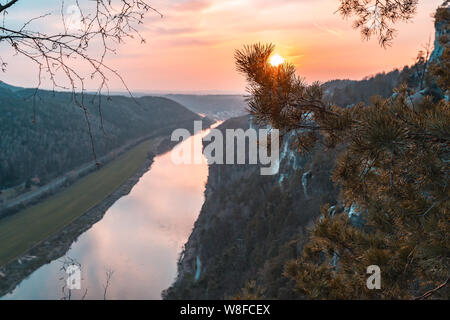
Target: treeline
{"x": 44, "y": 135}
{"x": 350, "y": 92}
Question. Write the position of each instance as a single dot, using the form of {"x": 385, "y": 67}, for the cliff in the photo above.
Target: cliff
{"x": 250, "y": 225}
{"x": 442, "y": 31}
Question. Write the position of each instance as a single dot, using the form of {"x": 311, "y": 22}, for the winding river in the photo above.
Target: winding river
{"x": 139, "y": 239}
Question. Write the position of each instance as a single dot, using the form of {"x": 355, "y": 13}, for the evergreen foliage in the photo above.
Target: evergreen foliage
{"x": 376, "y": 18}
{"x": 393, "y": 173}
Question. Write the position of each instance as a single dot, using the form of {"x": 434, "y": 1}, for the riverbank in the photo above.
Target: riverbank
{"x": 41, "y": 233}
{"x": 28, "y": 199}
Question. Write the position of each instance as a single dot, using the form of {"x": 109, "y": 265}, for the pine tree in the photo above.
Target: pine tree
{"x": 393, "y": 174}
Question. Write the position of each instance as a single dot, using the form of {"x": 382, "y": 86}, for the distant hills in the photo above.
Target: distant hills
{"x": 341, "y": 92}
{"x": 217, "y": 107}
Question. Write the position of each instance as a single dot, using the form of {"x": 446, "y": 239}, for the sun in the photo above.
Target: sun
{"x": 276, "y": 60}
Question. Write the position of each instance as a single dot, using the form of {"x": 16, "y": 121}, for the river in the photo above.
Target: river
{"x": 139, "y": 239}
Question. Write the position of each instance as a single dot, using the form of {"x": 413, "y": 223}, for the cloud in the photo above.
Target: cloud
{"x": 193, "y": 5}
{"x": 190, "y": 41}
{"x": 333, "y": 31}
{"x": 174, "y": 31}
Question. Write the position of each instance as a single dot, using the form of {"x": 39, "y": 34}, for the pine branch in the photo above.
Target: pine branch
{"x": 433, "y": 291}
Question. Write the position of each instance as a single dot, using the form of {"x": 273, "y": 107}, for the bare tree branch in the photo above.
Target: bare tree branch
{"x": 7, "y": 5}
{"x": 58, "y": 55}
{"x": 109, "y": 275}
{"x": 428, "y": 294}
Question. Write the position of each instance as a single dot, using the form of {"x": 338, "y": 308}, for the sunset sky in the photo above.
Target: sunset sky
{"x": 191, "y": 48}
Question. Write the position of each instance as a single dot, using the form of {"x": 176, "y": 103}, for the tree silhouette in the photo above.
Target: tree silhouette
{"x": 377, "y": 17}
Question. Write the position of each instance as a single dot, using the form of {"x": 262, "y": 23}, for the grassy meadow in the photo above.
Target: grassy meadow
{"x": 21, "y": 231}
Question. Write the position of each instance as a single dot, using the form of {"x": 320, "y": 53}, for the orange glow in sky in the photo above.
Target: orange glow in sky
{"x": 191, "y": 48}
{"x": 276, "y": 60}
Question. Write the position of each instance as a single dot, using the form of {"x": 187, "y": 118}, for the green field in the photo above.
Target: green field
{"x": 23, "y": 230}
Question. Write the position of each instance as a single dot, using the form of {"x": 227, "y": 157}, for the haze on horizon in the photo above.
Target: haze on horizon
{"x": 191, "y": 48}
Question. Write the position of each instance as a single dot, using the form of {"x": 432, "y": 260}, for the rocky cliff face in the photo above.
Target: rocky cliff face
{"x": 250, "y": 225}
{"x": 442, "y": 29}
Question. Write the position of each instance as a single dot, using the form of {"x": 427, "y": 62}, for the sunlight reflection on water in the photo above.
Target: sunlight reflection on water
{"x": 139, "y": 238}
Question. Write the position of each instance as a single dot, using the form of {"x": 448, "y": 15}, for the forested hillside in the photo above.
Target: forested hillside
{"x": 350, "y": 92}
{"x": 49, "y": 137}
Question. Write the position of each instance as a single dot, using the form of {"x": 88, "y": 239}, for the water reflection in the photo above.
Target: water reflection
{"x": 139, "y": 238}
